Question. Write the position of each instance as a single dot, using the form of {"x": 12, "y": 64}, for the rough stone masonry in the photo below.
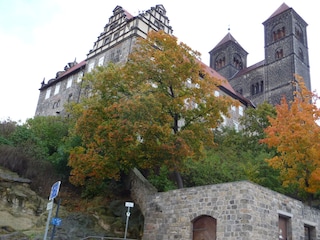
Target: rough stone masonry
{"x": 242, "y": 210}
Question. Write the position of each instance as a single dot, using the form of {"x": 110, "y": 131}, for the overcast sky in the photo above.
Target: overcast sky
{"x": 38, "y": 37}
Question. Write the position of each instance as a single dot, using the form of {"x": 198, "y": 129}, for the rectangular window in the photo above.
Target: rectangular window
{"x": 48, "y": 93}
{"x": 216, "y": 93}
{"x": 69, "y": 83}
{"x": 233, "y": 108}
{"x": 91, "y": 66}
{"x": 101, "y": 61}
{"x": 236, "y": 126}
{"x": 241, "y": 110}
{"x": 80, "y": 75}
{"x": 310, "y": 230}
{"x": 57, "y": 89}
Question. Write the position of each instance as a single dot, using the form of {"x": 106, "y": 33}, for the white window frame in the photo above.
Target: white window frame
{"x": 48, "y": 93}
{"x": 101, "y": 61}
{"x": 91, "y": 66}
{"x": 80, "y": 75}
{"x": 57, "y": 89}
{"x": 241, "y": 110}
{"x": 69, "y": 82}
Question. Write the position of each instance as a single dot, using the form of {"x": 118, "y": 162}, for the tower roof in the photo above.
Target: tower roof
{"x": 281, "y": 9}
{"x": 227, "y": 38}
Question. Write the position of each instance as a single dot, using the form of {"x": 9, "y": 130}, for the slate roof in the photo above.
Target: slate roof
{"x": 282, "y": 8}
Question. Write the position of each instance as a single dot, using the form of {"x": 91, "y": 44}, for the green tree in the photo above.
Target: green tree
{"x": 43, "y": 138}
{"x": 294, "y": 132}
{"x": 239, "y": 155}
{"x": 158, "y": 109}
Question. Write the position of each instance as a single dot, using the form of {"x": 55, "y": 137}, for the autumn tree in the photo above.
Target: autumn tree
{"x": 295, "y": 134}
{"x": 156, "y": 110}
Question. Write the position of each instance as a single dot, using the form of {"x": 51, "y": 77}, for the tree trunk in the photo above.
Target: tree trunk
{"x": 178, "y": 178}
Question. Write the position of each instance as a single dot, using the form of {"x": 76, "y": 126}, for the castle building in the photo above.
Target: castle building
{"x": 286, "y": 54}
{"x": 115, "y": 44}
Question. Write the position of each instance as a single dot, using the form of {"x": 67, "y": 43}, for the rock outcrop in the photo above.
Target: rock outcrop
{"x": 23, "y": 215}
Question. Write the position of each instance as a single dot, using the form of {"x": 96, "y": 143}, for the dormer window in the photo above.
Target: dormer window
{"x": 107, "y": 40}
{"x": 116, "y": 35}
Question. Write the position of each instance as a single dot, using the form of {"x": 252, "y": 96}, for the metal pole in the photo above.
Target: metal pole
{"x": 127, "y": 221}
{"x": 54, "y": 226}
{"x": 48, "y": 222}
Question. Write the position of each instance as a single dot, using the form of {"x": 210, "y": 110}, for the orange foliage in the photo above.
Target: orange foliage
{"x": 138, "y": 116}
{"x": 295, "y": 134}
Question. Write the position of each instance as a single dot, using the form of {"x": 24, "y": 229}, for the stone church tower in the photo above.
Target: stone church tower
{"x": 286, "y": 54}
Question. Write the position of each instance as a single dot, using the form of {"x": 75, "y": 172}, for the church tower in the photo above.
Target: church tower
{"x": 286, "y": 53}
{"x": 228, "y": 57}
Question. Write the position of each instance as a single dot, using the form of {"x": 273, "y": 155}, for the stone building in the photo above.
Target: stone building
{"x": 228, "y": 211}
{"x": 114, "y": 44}
{"x": 286, "y": 53}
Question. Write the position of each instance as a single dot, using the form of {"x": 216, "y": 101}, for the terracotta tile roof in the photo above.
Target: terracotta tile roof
{"x": 281, "y": 9}
{"x": 72, "y": 69}
{"x": 225, "y": 86}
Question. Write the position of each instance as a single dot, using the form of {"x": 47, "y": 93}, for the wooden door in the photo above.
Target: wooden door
{"x": 204, "y": 228}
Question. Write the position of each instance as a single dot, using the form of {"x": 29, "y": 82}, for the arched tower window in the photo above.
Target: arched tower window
{"x": 237, "y": 62}
{"x": 298, "y": 33}
{"x": 220, "y": 62}
{"x": 278, "y": 33}
{"x": 204, "y": 228}
{"x": 300, "y": 54}
{"x": 279, "y": 53}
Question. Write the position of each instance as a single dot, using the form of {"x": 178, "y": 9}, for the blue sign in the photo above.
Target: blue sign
{"x": 56, "y": 221}
{"x": 54, "y": 190}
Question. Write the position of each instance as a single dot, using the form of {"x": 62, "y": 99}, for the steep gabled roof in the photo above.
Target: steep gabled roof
{"x": 281, "y": 9}
{"x": 225, "y": 85}
{"x": 227, "y": 38}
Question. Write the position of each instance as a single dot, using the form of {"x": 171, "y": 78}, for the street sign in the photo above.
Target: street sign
{"x": 129, "y": 204}
{"x": 49, "y": 205}
{"x": 54, "y": 190}
{"x": 56, "y": 221}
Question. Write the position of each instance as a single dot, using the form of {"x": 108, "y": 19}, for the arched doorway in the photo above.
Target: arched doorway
{"x": 204, "y": 228}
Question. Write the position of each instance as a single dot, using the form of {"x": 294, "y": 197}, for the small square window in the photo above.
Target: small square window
{"x": 116, "y": 35}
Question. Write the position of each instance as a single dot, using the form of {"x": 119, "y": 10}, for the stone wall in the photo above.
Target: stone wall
{"x": 242, "y": 210}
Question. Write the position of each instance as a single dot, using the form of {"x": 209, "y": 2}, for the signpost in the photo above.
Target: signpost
{"x": 128, "y": 205}
{"x": 53, "y": 194}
